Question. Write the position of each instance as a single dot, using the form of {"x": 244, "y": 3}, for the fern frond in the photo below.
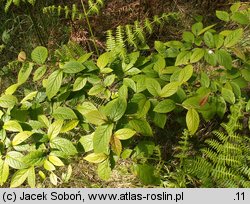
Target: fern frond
{"x": 130, "y": 36}
{"x": 148, "y": 26}
{"x": 120, "y": 37}
{"x": 110, "y": 42}
{"x": 139, "y": 32}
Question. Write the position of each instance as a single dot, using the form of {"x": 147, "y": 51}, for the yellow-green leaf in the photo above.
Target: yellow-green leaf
{"x": 96, "y": 157}
{"x": 124, "y": 134}
{"x": 169, "y": 89}
{"x": 55, "y": 128}
{"x": 192, "y": 120}
{"x": 21, "y": 137}
{"x": 55, "y": 160}
{"x": 13, "y": 126}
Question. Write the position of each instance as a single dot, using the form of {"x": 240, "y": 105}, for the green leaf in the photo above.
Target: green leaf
{"x": 109, "y": 80}
{"x": 192, "y": 120}
{"x": 85, "y": 57}
{"x": 124, "y": 134}
{"x": 103, "y": 60}
{"x": 188, "y": 37}
{"x": 87, "y": 142}
{"x": 8, "y": 101}
{"x": 210, "y": 57}
{"x": 185, "y": 74}
{"x": 196, "y": 28}
{"x": 170, "y": 89}
{"x": 24, "y": 72}
{"x": 69, "y": 126}
{"x": 55, "y": 128}
{"x": 235, "y": 7}
{"x": 221, "y": 107}
{"x": 53, "y": 178}
{"x": 146, "y": 174}
{"x": 95, "y": 90}
{"x": 30, "y": 96}
{"x": 224, "y": 59}
{"x": 39, "y": 73}
{"x": 21, "y": 137}
{"x": 165, "y": 106}
{"x": 205, "y": 81}
{"x": 79, "y": 83}
{"x": 223, "y": 15}
{"x": 248, "y": 106}
{"x": 160, "y": 120}
{"x": 19, "y": 177}
{"x": 129, "y": 83}
{"x": 34, "y": 158}
{"x": 104, "y": 170}
{"x": 63, "y": 145}
{"x": 32, "y": 177}
{"x": 153, "y": 86}
{"x": 4, "y": 172}
{"x": 206, "y": 29}
{"x": 197, "y": 55}
{"x": 49, "y": 166}
{"x": 240, "y": 18}
{"x": 209, "y": 39}
{"x": 44, "y": 120}
{"x": 233, "y": 38}
{"x": 116, "y": 108}
{"x": 96, "y": 157}
{"x": 39, "y": 54}
{"x": 12, "y": 126}
{"x": 55, "y": 160}
{"x": 11, "y": 89}
{"x": 64, "y": 113}
{"x": 218, "y": 40}
{"x": 228, "y": 95}
{"x": 141, "y": 126}
{"x": 86, "y": 107}
{"x": 95, "y": 117}
{"x": 14, "y": 160}
{"x": 102, "y": 138}
{"x": 183, "y": 58}
{"x": 54, "y": 83}
{"x": 73, "y": 67}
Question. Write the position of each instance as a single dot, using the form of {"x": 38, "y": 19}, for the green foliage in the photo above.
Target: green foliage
{"x": 225, "y": 161}
{"x": 9, "y": 3}
{"x": 74, "y": 12}
{"x": 133, "y": 36}
{"x": 113, "y": 107}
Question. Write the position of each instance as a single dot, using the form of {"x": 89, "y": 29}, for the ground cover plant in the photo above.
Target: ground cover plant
{"x": 175, "y": 111}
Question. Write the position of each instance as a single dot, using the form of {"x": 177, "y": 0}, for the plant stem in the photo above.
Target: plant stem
{"x": 89, "y": 26}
